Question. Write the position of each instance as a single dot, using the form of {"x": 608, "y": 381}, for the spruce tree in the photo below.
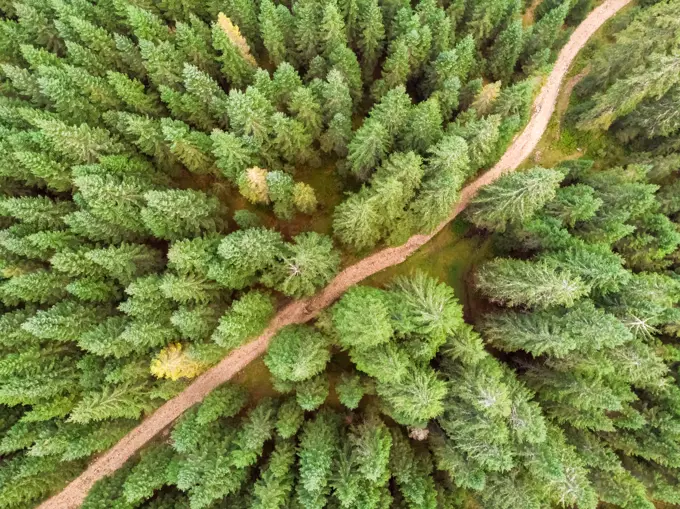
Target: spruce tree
{"x": 506, "y": 51}
{"x": 308, "y": 263}
{"x": 297, "y": 353}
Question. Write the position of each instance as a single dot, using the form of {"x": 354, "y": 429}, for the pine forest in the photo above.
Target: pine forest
{"x": 176, "y": 174}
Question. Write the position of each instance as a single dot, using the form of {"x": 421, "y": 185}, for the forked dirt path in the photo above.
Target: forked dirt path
{"x": 302, "y": 311}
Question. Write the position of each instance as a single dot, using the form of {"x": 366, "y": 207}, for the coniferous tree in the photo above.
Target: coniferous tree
{"x": 506, "y": 51}
{"x": 536, "y": 284}
{"x": 297, "y": 353}
{"x": 247, "y": 317}
{"x": 306, "y": 264}
{"x": 176, "y": 214}
{"x": 243, "y": 254}
{"x": 515, "y": 197}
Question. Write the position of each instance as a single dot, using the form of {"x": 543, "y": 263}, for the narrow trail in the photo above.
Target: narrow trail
{"x": 304, "y": 310}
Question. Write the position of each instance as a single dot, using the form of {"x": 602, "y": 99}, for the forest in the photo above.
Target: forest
{"x": 174, "y": 172}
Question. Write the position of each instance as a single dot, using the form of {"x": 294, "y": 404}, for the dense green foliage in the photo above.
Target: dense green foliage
{"x": 156, "y": 205}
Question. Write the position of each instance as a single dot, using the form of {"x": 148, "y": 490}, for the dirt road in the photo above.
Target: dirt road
{"x": 302, "y": 311}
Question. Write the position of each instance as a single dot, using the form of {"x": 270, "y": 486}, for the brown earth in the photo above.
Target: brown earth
{"x": 304, "y": 310}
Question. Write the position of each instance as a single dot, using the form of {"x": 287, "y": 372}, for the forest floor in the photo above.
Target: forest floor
{"x": 305, "y": 310}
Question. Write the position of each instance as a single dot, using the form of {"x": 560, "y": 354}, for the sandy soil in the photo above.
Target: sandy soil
{"x": 302, "y": 311}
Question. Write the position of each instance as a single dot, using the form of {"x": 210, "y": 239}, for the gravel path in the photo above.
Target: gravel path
{"x": 302, "y": 311}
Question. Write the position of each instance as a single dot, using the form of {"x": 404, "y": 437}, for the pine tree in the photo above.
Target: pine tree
{"x": 544, "y": 32}
{"x": 306, "y": 264}
{"x": 556, "y": 332}
{"x": 237, "y": 64}
{"x": 337, "y": 136}
{"x": 246, "y": 318}
{"x": 289, "y": 418}
{"x": 307, "y": 17}
{"x": 336, "y": 96}
{"x": 506, "y": 51}
{"x": 191, "y": 148}
{"x": 332, "y": 29}
{"x": 162, "y": 61}
{"x": 425, "y": 307}
{"x": 279, "y": 187}
{"x": 149, "y": 475}
{"x": 65, "y": 320}
{"x": 127, "y": 261}
{"x": 297, "y": 353}
{"x": 234, "y": 154}
{"x": 414, "y": 399}
{"x": 514, "y": 198}
{"x": 225, "y": 401}
{"x": 41, "y": 287}
{"x": 396, "y": 70}
{"x": 257, "y": 427}
{"x": 537, "y": 284}
{"x": 316, "y": 452}
{"x": 485, "y": 99}
{"x": 196, "y": 322}
{"x": 356, "y": 221}
{"x": 132, "y": 92}
{"x": 175, "y": 214}
{"x": 372, "y": 442}
{"x": 311, "y": 394}
{"x": 424, "y": 127}
{"x": 411, "y": 468}
{"x": 275, "y": 28}
{"x": 307, "y": 110}
{"x": 344, "y": 60}
{"x": 362, "y": 318}
{"x": 304, "y": 198}
{"x": 78, "y": 144}
{"x": 193, "y": 256}
{"x": 595, "y": 264}
{"x": 243, "y": 254}
{"x": 371, "y": 35}
{"x": 368, "y": 147}
{"x": 243, "y": 13}
{"x": 350, "y": 390}
{"x": 275, "y": 485}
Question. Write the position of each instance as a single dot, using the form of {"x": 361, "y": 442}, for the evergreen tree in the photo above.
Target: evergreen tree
{"x": 515, "y": 197}
{"x": 243, "y": 254}
{"x": 276, "y": 24}
{"x": 304, "y": 265}
{"x": 368, "y": 147}
{"x": 311, "y": 394}
{"x": 126, "y": 261}
{"x": 317, "y": 449}
{"x": 297, "y": 353}
{"x": 481, "y": 136}
{"x": 246, "y": 318}
{"x": 237, "y": 64}
{"x": 307, "y": 109}
{"x": 371, "y": 35}
{"x": 362, "y": 318}
{"x": 537, "y": 284}
{"x": 424, "y": 127}
{"x": 289, "y": 418}
{"x": 556, "y": 332}
{"x": 506, "y": 51}
{"x": 234, "y": 154}
{"x": 225, "y": 401}
{"x": 350, "y": 390}
{"x": 544, "y": 32}
{"x": 175, "y": 214}
{"x": 307, "y": 16}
